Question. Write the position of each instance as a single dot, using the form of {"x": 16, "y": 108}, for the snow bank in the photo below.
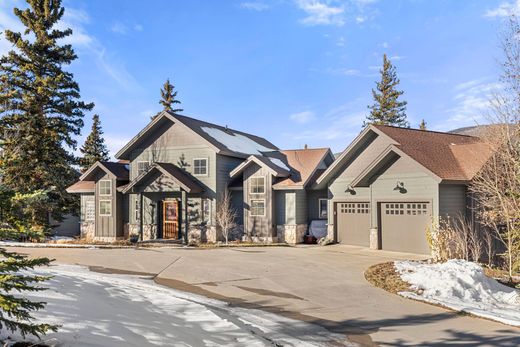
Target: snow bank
{"x": 119, "y": 310}
{"x": 462, "y": 286}
{"x": 236, "y": 142}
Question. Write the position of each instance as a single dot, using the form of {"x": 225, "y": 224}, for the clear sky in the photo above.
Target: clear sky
{"x": 293, "y": 71}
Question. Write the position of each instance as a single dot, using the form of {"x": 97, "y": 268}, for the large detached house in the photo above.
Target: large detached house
{"x": 383, "y": 191}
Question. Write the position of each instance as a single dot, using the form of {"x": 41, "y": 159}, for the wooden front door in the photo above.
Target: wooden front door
{"x": 170, "y": 219}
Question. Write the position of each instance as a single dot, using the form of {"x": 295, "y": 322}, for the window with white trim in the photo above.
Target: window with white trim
{"x": 142, "y": 167}
{"x": 105, "y": 207}
{"x": 200, "y": 166}
{"x": 105, "y": 187}
{"x": 257, "y": 185}
{"x": 90, "y": 210}
{"x": 257, "y": 208}
{"x": 322, "y": 208}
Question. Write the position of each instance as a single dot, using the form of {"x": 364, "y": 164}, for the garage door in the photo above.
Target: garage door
{"x": 403, "y": 226}
{"x": 353, "y": 223}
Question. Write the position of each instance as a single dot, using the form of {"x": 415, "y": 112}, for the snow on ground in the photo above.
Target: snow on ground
{"x": 462, "y": 286}
{"x": 118, "y": 310}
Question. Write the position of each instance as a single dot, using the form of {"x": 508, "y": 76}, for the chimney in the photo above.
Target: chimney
{"x": 305, "y": 146}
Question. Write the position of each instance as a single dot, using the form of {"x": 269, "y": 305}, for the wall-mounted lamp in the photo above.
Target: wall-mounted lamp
{"x": 400, "y": 187}
{"x": 350, "y": 190}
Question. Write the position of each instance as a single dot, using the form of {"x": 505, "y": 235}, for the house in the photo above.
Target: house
{"x": 390, "y": 184}
{"x": 384, "y": 191}
{"x": 171, "y": 176}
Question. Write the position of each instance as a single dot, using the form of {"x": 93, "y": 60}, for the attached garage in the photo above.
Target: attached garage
{"x": 353, "y": 223}
{"x": 403, "y": 226}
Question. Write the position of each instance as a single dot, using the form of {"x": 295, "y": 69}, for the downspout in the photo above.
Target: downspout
{"x": 141, "y": 216}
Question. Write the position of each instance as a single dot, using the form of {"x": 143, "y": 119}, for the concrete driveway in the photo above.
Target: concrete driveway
{"x": 322, "y": 285}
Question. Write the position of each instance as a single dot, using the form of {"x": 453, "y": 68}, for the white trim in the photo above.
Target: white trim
{"x": 251, "y": 207}
{"x": 326, "y": 206}
{"x": 110, "y": 204}
{"x": 207, "y": 166}
{"x": 99, "y": 187}
{"x": 251, "y": 186}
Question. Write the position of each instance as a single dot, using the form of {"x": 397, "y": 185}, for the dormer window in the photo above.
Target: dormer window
{"x": 200, "y": 167}
{"x": 105, "y": 187}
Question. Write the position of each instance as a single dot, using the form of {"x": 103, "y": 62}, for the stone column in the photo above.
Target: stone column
{"x": 374, "y": 238}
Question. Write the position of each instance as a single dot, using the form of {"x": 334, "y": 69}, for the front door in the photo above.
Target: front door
{"x": 170, "y": 219}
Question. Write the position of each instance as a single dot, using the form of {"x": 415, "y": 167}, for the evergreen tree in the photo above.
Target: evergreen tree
{"x": 387, "y": 108}
{"x": 422, "y": 125}
{"x": 168, "y": 97}
{"x": 94, "y": 148}
{"x": 15, "y": 311}
{"x": 40, "y": 106}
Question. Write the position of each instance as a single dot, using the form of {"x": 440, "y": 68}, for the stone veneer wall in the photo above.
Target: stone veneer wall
{"x": 87, "y": 230}
{"x": 330, "y": 232}
{"x": 291, "y": 233}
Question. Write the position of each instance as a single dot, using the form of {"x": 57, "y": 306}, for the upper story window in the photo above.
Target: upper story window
{"x": 142, "y": 167}
{"x": 257, "y": 208}
{"x": 105, "y": 187}
{"x": 105, "y": 207}
{"x": 200, "y": 167}
{"x": 257, "y": 185}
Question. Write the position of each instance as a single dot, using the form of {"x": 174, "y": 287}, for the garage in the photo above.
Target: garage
{"x": 353, "y": 223}
{"x": 403, "y": 226}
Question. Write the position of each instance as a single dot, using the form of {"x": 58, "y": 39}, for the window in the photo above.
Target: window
{"x": 136, "y": 211}
{"x": 257, "y": 185}
{"x": 352, "y": 207}
{"x": 257, "y": 208}
{"x": 206, "y": 210}
{"x": 105, "y": 187}
{"x": 142, "y": 167}
{"x": 200, "y": 167}
{"x": 105, "y": 207}
{"x": 322, "y": 208}
{"x": 90, "y": 210}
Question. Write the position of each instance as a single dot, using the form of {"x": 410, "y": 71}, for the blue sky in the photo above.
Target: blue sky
{"x": 293, "y": 71}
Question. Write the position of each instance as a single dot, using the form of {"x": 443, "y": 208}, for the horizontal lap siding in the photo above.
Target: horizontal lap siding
{"x": 313, "y": 197}
{"x": 452, "y": 200}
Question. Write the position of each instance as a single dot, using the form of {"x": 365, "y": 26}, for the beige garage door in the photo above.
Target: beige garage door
{"x": 353, "y": 223}
{"x": 403, "y": 226}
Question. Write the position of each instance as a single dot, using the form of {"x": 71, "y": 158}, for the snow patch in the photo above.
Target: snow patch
{"x": 236, "y": 142}
{"x": 462, "y": 286}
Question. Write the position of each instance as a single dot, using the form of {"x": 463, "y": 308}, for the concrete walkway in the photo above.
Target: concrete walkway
{"x": 322, "y": 285}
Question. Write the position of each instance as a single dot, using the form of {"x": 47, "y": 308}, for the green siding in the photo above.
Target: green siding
{"x": 452, "y": 200}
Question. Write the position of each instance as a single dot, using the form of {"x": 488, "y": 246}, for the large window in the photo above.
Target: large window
{"x": 258, "y": 208}
{"x": 105, "y": 187}
{"x": 105, "y": 207}
{"x": 322, "y": 213}
{"x": 90, "y": 210}
{"x": 200, "y": 167}
{"x": 142, "y": 167}
{"x": 257, "y": 185}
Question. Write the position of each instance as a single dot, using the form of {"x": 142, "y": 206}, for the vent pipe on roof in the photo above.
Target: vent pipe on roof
{"x": 305, "y": 146}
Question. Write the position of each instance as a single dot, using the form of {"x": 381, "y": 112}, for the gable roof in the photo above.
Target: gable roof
{"x": 275, "y": 165}
{"x": 304, "y": 163}
{"x": 450, "y": 156}
{"x": 178, "y": 175}
{"x": 223, "y": 139}
{"x": 116, "y": 170}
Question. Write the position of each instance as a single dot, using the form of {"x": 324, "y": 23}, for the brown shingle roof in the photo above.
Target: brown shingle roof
{"x": 449, "y": 156}
{"x": 82, "y": 187}
{"x": 304, "y": 164}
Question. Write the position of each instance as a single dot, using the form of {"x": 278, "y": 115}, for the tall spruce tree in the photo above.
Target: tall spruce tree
{"x": 40, "y": 106}
{"x": 387, "y": 109}
{"x": 169, "y": 97}
{"x": 94, "y": 148}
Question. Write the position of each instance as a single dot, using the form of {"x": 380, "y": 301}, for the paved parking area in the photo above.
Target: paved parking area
{"x": 323, "y": 285}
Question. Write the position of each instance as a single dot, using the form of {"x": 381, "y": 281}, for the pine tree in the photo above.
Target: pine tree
{"x": 422, "y": 125}
{"x": 387, "y": 108}
{"x": 40, "y": 106}
{"x": 94, "y": 148}
{"x": 168, "y": 97}
{"x": 15, "y": 311}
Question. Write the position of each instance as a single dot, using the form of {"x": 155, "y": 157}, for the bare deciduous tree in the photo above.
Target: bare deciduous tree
{"x": 226, "y": 216}
{"x": 496, "y": 188}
